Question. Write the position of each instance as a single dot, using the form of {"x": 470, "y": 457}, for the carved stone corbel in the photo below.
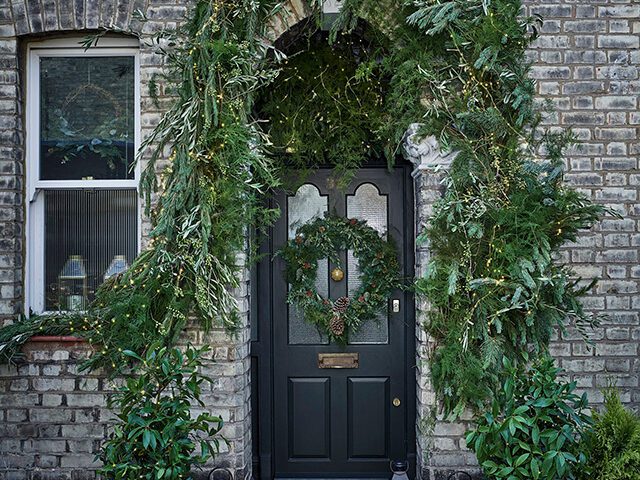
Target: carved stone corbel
{"x": 425, "y": 152}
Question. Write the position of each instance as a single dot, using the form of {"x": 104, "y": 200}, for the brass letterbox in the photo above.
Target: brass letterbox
{"x": 338, "y": 360}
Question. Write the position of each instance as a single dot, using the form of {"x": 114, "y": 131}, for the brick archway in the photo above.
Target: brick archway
{"x": 29, "y": 18}
{"x": 292, "y": 12}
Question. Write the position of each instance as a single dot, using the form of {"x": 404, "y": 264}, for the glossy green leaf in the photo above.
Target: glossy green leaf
{"x": 521, "y": 459}
{"x": 535, "y": 468}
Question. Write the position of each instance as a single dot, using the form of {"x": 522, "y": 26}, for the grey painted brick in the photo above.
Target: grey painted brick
{"x": 618, "y": 365}
{"x": 550, "y": 72}
{"x": 618, "y": 41}
{"x": 551, "y": 11}
{"x": 616, "y": 102}
{"x": 579, "y": 366}
{"x": 617, "y": 72}
{"x": 616, "y": 133}
{"x": 617, "y": 349}
{"x": 627, "y": 11}
{"x": 584, "y": 41}
{"x": 83, "y": 461}
{"x": 585, "y": 26}
{"x": 57, "y": 384}
{"x": 50, "y": 415}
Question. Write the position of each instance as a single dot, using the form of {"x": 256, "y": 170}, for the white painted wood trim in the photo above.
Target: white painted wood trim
{"x": 34, "y": 287}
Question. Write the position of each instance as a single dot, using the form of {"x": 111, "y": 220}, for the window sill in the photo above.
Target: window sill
{"x": 56, "y": 339}
{"x": 56, "y": 348}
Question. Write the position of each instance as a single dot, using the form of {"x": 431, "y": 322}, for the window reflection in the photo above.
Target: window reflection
{"x": 86, "y": 118}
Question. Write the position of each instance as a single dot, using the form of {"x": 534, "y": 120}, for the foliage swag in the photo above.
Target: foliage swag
{"x": 455, "y": 66}
{"x": 377, "y": 262}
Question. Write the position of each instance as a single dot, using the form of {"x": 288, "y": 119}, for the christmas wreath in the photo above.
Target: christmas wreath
{"x": 325, "y": 238}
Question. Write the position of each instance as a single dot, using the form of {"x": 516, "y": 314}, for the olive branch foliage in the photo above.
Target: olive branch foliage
{"x": 492, "y": 284}
{"x": 212, "y": 184}
{"x": 458, "y": 68}
{"x": 202, "y": 200}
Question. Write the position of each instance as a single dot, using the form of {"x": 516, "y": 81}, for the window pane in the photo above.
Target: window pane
{"x": 304, "y": 206}
{"x": 86, "y": 118}
{"x": 89, "y": 235}
{"x": 367, "y": 204}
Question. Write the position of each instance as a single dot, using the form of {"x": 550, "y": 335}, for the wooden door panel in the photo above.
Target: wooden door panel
{"x": 309, "y": 417}
{"x": 368, "y": 420}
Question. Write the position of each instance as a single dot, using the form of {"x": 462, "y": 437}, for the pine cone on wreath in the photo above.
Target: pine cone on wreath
{"x": 341, "y": 305}
{"x": 337, "y": 326}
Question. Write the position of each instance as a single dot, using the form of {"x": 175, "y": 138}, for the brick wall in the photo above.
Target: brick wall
{"x": 586, "y": 63}
{"x": 52, "y": 418}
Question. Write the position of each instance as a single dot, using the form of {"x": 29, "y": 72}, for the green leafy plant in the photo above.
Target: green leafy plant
{"x": 492, "y": 284}
{"x": 323, "y": 109}
{"x": 156, "y": 435}
{"x": 534, "y": 427}
{"x": 613, "y": 445}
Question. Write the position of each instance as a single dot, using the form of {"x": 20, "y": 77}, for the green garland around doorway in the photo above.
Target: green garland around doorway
{"x": 377, "y": 264}
{"x": 455, "y": 66}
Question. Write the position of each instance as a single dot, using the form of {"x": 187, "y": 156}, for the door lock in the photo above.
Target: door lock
{"x": 396, "y": 402}
{"x": 395, "y": 305}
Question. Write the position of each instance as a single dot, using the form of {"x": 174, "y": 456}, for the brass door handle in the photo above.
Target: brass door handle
{"x": 396, "y": 402}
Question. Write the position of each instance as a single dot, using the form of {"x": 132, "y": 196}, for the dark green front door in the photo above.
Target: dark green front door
{"x": 341, "y": 422}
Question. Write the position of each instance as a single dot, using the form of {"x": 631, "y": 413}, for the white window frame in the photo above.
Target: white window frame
{"x": 34, "y": 284}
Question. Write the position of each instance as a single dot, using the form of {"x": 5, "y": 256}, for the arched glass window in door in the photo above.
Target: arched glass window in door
{"x": 367, "y": 204}
{"x": 302, "y": 207}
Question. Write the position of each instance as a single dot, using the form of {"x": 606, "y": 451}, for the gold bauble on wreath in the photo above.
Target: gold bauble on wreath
{"x": 337, "y": 275}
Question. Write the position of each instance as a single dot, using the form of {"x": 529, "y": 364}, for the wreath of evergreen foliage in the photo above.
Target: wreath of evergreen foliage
{"x": 457, "y": 67}
{"x": 325, "y": 238}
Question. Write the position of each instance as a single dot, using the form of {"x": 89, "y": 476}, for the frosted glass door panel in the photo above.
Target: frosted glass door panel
{"x": 304, "y": 206}
{"x": 367, "y": 204}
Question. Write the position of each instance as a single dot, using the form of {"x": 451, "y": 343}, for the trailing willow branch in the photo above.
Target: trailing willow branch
{"x": 212, "y": 185}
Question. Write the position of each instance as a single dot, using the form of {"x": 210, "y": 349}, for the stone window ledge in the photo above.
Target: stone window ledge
{"x": 56, "y": 348}
{"x": 56, "y": 339}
